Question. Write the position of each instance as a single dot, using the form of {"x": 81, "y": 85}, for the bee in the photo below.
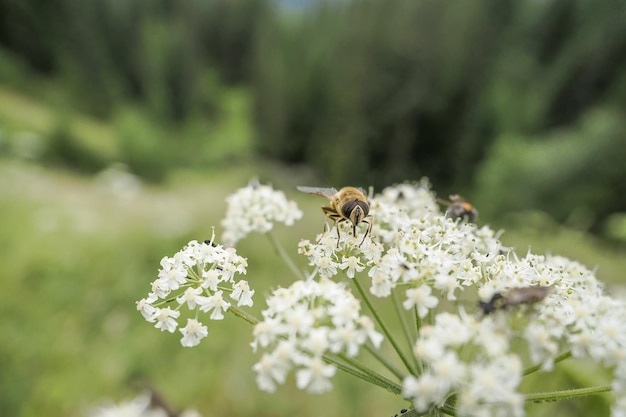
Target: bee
{"x": 514, "y": 297}
{"x": 348, "y": 204}
{"x": 459, "y": 208}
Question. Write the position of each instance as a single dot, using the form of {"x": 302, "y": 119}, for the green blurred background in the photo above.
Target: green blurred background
{"x": 124, "y": 124}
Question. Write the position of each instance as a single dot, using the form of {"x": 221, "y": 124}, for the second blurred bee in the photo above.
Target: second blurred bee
{"x": 460, "y": 208}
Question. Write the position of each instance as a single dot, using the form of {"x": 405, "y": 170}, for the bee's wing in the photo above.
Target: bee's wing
{"x": 454, "y": 199}
{"x": 320, "y": 191}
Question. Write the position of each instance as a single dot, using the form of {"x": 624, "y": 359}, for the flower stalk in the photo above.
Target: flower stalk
{"x": 382, "y": 325}
{"x": 540, "y": 397}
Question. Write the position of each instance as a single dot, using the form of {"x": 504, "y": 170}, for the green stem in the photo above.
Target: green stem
{"x": 538, "y": 397}
{"x": 384, "y": 362}
{"x": 418, "y": 328}
{"x": 355, "y": 368}
{"x": 418, "y": 321}
{"x": 382, "y": 325}
{"x": 352, "y": 367}
{"x": 558, "y": 359}
{"x": 281, "y": 252}
{"x": 242, "y": 314}
{"x": 448, "y": 410}
{"x": 405, "y": 329}
{"x": 445, "y": 409}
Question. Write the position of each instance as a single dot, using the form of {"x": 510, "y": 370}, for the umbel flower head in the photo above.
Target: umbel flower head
{"x": 301, "y": 324}
{"x": 256, "y": 208}
{"x": 432, "y": 263}
{"x": 451, "y": 356}
{"x": 200, "y": 277}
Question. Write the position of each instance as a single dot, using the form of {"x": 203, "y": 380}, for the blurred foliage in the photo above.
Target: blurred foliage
{"x": 367, "y": 92}
{"x": 386, "y": 91}
{"x": 575, "y": 173}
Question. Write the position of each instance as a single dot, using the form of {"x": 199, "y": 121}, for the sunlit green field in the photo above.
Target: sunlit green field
{"x": 77, "y": 252}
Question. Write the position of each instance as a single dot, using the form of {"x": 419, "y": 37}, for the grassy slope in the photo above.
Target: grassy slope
{"x": 76, "y": 256}
{"x": 20, "y": 112}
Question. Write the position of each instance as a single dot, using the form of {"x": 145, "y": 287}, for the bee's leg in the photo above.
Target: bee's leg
{"x": 324, "y": 230}
{"x": 332, "y": 214}
{"x": 367, "y": 232}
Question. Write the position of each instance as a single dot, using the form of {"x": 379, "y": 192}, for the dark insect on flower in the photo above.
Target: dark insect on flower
{"x": 514, "y": 297}
{"x": 460, "y": 208}
{"x": 210, "y": 242}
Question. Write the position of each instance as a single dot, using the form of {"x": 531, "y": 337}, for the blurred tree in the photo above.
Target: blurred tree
{"x": 373, "y": 92}
{"x": 376, "y": 92}
{"x": 28, "y": 29}
{"x": 155, "y": 52}
{"x": 365, "y": 91}
{"x": 576, "y": 174}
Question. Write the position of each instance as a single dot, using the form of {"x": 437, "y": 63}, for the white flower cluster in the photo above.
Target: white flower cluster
{"x": 575, "y": 317}
{"x": 416, "y": 251}
{"x": 534, "y": 311}
{"x": 256, "y": 208}
{"x": 301, "y": 324}
{"x": 413, "y": 246}
{"x": 196, "y": 277}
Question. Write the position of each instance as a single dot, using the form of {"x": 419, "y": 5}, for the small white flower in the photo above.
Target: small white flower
{"x": 193, "y": 332}
{"x": 242, "y": 294}
{"x": 315, "y": 377}
{"x": 428, "y": 349}
{"x": 449, "y": 370}
{"x": 147, "y": 310}
{"x": 316, "y": 341}
{"x": 327, "y": 267}
{"x": 381, "y": 283}
{"x": 346, "y": 338}
{"x": 420, "y": 297}
{"x": 270, "y": 370}
{"x": 210, "y": 279}
{"x": 367, "y": 327}
{"x": 189, "y": 297}
{"x": 351, "y": 264}
{"x": 424, "y": 390}
{"x": 165, "y": 319}
{"x": 172, "y": 276}
{"x": 214, "y": 303}
{"x": 344, "y": 310}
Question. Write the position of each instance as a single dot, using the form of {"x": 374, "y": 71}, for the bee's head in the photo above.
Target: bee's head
{"x": 355, "y": 211}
